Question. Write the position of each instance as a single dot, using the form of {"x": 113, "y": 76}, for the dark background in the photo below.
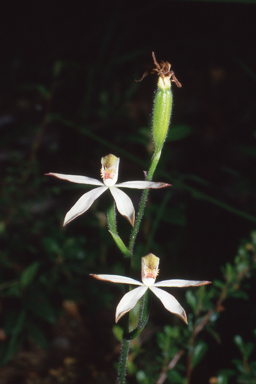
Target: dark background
{"x": 67, "y": 98}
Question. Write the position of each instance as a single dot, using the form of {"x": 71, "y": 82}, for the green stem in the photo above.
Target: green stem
{"x": 111, "y": 219}
{"x": 144, "y": 307}
{"x": 127, "y": 337}
{"x": 138, "y": 219}
{"x": 123, "y": 362}
{"x": 154, "y": 162}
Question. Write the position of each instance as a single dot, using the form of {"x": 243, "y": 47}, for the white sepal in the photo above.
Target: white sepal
{"x": 116, "y": 279}
{"x": 170, "y": 303}
{"x": 129, "y": 300}
{"x": 124, "y": 204}
{"x": 83, "y": 204}
{"x": 181, "y": 283}
{"x": 76, "y": 179}
{"x": 141, "y": 184}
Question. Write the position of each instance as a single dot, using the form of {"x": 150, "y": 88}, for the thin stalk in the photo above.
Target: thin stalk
{"x": 143, "y": 319}
{"x": 154, "y": 162}
{"x": 123, "y": 362}
{"x": 111, "y": 218}
{"x": 144, "y": 308}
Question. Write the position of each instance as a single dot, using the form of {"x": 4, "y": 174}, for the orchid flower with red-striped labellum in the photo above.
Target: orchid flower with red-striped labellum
{"x": 149, "y": 272}
{"x": 109, "y": 174}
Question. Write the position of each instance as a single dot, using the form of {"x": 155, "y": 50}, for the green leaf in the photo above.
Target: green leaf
{"x": 218, "y": 283}
{"x": 14, "y": 343}
{"x": 118, "y": 332}
{"x": 119, "y": 242}
{"x": 239, "y": 365}
{"x": 175, "y": 216}
{"x": 171, "y": 331}
{"x": 248, "y": 349}
{"x": 175, "y": 377}
{"x": 58, "y": 67}
{"x": 179, "y": 132}
{"x": 29, "y": 274}
{"x": 222, "y": 379}
{"x": 40, "y": 88}
{"x": 224, "y": 375}
{"x": 239, "y": 342}
{"x": 14, "y": 322}
{"x": 11, "y": 350}
{"x": 41, "y": 307}
{"x": 191, "y": 299}
{"x": 238, "y": 295}
{"x": 161, "y": 340}
{"x": 43, "y": 90}
{"x": 51, "y": 245}
{"x": 142, "y": 378}
{"x": 37, "y": 335}
{"x": 15, "y": 290}
{"x": 199, "y": 352}
{"x": 131, "y": 367}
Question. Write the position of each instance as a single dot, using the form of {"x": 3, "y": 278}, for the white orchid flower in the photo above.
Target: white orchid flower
{"x": 149, "y": 272}
{"x": 109, "y": 174}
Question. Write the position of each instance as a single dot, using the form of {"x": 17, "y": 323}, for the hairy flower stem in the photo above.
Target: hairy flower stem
{"x": 154, "y": 162}
{"x": 127, "y": 337}
{"x": 161, "y": 120}
{"x": 144, "y": 309}
{"x": 111, "y": 219}
{"x": 123, "y": 362}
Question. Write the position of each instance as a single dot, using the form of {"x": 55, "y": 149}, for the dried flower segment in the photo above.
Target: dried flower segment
{"x": 149, "y": 272}
{"x": 163, "y": 69}
{"x": 109, "y": 174}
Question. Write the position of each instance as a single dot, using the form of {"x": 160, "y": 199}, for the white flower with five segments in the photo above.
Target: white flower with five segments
{"x": 109, "y": 174}
{"x": 149, "y": 272}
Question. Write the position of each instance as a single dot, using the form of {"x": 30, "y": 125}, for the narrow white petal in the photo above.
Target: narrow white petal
{"x": 142, "y": 184}
{"x": 170, "y": 303}
{"x": 76, "y": 179}
{"x": 180, "y": 283}
{"x": 116, "y": 279}
{"x": 124, "y": 204}
{"x": 129, "y": 300}
{"x": 83, "y": 204}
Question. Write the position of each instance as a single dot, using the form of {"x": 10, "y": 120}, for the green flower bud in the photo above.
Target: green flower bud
{"x": 162, "y": 107}
{"x": 162, "y": 112}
